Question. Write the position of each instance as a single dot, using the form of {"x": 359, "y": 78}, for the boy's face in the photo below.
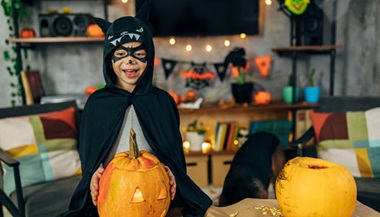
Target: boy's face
{"x": 129, "y": 62}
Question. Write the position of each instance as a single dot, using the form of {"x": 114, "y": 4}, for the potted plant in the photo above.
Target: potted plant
{"x": 312, "y": 91}
{"x": 288, "y": 91}
{"x": 241, "y": 89}
{"x": 195, "y": 135}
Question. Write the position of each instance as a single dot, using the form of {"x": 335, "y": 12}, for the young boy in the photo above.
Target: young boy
{"x": 130, "y": 100}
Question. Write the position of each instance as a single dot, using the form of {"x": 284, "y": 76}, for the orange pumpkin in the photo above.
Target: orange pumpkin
{"x": 262, "y": 97}
{"x": 134, "y": 184}
{"x": 93, "y": 30}
{"x": 312, "y": 187}
{"x": 191, "y": 95}
{"x": 27, "y": 33}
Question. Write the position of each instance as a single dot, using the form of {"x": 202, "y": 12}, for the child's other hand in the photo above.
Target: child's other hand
{"x": 173, "y": 184}
{"x": 94, "y": 185}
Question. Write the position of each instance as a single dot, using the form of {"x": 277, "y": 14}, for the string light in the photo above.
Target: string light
{"x": 172, "y": 41}
{"x": 243, "y": 35}
{"x": 268, "y": 2}
{"x": 208, "y": 48}
{"x": 189, "y": 47}
{"x": 227, "y": 43}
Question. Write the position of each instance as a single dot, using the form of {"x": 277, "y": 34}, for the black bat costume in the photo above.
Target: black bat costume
{"x": 157, "y": 114}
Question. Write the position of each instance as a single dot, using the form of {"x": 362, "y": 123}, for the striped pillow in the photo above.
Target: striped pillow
{"x": 44, "y": 144}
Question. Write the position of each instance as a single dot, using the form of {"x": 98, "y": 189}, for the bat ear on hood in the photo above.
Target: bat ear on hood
{"x": 103, "y": 24}
{"x": 143, "y": 13}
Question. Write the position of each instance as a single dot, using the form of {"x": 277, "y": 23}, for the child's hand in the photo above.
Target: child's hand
{"x": 94, "y": 185}
{"x": 173, "y": 184}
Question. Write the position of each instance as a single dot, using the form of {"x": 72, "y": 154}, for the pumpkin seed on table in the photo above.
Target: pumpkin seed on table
{"x": 234, "y": 214}
{"x": 266, "y": 210}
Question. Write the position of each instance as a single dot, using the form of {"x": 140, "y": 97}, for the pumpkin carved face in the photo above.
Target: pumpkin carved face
{"x": 311, "y": 187}
{"x": 134, "y": 186}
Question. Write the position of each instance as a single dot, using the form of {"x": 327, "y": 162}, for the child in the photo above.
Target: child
{"x": 130, "y": 100}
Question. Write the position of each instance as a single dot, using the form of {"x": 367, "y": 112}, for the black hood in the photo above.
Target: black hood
{"x": 124, "y": 30}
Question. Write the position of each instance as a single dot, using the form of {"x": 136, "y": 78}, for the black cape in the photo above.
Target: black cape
{"x": 157, "y": 114}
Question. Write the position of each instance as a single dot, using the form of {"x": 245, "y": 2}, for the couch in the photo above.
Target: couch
{"x": 329, "y": 123}
{"x": 38, "y": 152}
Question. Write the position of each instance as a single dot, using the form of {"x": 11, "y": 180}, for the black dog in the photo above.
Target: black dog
{"x": 254, "y": 166}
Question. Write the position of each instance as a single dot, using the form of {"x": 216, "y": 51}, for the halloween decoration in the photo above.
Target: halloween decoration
{"x": 27, "y": 33}
{"x": 297, "y": 7}
{"x": 262, "y": 97}
{"x": 236, "y": 57}
{"x": 197, "y": 76}
{"x": 93, "y": 30}
{"x": 263, "y": 64}
{"x": 314, "y": 187}
{"x": 134, "y": 184}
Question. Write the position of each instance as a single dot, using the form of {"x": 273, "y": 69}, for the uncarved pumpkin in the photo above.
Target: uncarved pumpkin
{"x": 262, "y": 97}
{"x": 93, "y": 30}
{"x": 312, "y": 187}
{"x": 134, "y": 184}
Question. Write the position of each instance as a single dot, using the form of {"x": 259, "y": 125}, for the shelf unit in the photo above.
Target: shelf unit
{"x": 21, "y": 43}
{"x": 41, "y": 40}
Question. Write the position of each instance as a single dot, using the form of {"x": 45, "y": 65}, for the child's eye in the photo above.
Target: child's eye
{"x": 120, "y": 54}
{"x": 140, "y": 54}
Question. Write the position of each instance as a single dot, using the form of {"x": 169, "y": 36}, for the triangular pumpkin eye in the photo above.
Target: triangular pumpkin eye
{"x": 163, "y": 192}
{"x": 137, "y": 196}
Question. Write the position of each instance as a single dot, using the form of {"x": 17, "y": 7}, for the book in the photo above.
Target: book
{"x": 27, "y": 92}
{"x": 33, "y": 86}
{"x": 231, "y": 134}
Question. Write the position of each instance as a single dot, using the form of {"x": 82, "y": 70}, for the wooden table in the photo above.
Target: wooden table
{"x": 246, "y": 208}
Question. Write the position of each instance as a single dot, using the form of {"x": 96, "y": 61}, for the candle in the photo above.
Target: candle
{"x": 206, "y": 147}
{"x": 186, "y": 146}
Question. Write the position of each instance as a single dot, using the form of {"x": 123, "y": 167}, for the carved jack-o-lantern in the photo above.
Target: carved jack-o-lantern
{"x": 134, "y": 184}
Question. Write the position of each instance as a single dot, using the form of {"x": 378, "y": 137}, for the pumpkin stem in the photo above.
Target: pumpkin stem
{"x": 133, "y": 148}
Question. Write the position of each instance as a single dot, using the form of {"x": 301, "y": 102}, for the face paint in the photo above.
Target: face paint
{"x": 138, "y": 53}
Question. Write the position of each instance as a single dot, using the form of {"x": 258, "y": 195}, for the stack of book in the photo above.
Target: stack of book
{"x": 225, "y": 135}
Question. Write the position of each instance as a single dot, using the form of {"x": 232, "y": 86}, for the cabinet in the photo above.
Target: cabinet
{"x": 212, "y": 167}
{"x": 209, "y": 116}
{"x": 28, "y": 43}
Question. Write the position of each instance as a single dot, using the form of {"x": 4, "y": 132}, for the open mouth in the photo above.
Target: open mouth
{"x": 130, "y": 73}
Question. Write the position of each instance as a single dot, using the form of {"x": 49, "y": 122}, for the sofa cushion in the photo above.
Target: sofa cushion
{"x": 350, "y": 139}
{"x": 42, "y": 198}
{"x": 44, "y": 144}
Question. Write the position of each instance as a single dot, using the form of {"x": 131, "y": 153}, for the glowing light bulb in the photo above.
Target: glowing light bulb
{"x": 268, "y": 2}
{"x": 172, "y": 41}
{"x": 243, "y": 35}
{"x": 186, "y": 144}
{"x": 189, "y": 47}
{"x": 227, "y": 43}
{"x": 124, "y": 1}
{"x": 208, "y": 48}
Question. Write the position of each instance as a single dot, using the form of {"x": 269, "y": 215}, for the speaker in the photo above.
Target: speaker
{"x": 64, "y": 24}
{"x": 310, "y": 25}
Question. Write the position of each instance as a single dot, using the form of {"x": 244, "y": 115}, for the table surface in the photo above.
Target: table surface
{"x": 246, "y": 208}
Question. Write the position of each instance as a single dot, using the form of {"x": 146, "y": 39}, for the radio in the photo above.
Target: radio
{"x": 64, "y": 24}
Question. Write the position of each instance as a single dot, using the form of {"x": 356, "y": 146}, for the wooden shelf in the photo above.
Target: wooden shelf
{"x": 241, "y": 108}
{"x": 55, "y": 39}
{"x": 307, "y": 48}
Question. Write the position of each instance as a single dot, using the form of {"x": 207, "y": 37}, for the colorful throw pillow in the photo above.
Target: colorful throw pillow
{"x": 350, "y": 139}
{"x": 44, "y": 144}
